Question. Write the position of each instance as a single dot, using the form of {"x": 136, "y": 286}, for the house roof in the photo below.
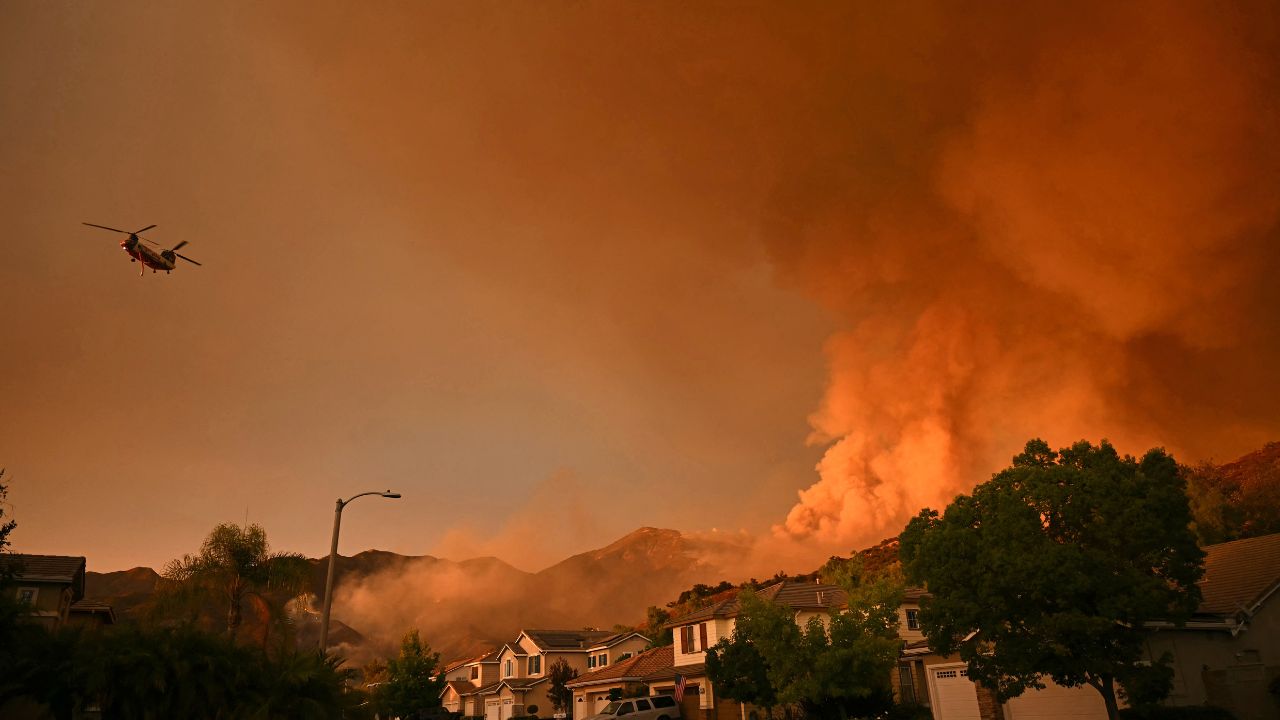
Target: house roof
{"x": 47, "y": 568}
{"x": 485, "y": 689}
{"x": 792, "y": 593}
{"x": 94, "y": 607}
{"x": 632, "y": 669}
{"x": 1239, "y": 575}
{"x": 571, "y": 639}
{"x": 522, "y": 683}
{"x": 617, "y": 638}
{"x": 669, "y": 673}
{"x": 514, "y": 648}
{"x": 461, "y": 687}
{"x": 489, "y": 657}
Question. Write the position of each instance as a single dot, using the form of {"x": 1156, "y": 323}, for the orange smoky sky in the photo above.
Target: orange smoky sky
{"x": 557, "y": 270}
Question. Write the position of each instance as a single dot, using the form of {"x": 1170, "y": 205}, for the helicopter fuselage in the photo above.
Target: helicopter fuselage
{"x": 145, "y": 255}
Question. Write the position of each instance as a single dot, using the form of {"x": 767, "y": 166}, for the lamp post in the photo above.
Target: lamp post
{"x": 333, "y": 558}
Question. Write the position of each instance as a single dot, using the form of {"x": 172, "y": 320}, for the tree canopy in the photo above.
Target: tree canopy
{"x": 236, "y": 564}
{"x": 411, "y": 685}
{"x": 833, "y": 669}
{"x": 559, "y": 673}
{"x": 1052, "y": 568}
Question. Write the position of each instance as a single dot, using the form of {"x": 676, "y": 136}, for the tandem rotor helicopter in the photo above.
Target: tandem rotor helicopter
{"x": 155, "y": 259}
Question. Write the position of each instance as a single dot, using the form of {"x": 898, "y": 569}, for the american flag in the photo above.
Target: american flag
{"x": 679, "y": 688}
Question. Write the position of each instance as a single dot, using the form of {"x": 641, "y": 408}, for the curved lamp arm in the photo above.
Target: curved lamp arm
{"x": 333, "y": 557}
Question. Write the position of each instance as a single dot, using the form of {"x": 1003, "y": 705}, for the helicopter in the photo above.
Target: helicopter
{"x": 155, "y": 259}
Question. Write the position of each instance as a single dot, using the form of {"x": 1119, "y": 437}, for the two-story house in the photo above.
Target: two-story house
{"x": 523, "y": 664}
{"x": 464, "y": 679}
{"x": 48, "y": 584}
{"x": 626, "y": 676}
{"x": 942, "y": 683}
{"x": 694, "y": 632}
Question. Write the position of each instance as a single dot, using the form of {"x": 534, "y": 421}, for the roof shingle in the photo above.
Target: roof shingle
{"x": 633, "y": 668}
{"x": 792, "y": 593}
{"x": 1239, "y": 574}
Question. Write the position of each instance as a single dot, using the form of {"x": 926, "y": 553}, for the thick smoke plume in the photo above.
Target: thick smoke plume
{"x": 1054, "y": 220}
{"x": 1041, "y": 223}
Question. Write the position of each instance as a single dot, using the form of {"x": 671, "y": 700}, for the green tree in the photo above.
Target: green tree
{"x": 833, "y": 669}
{"x": 559, "y": 674}
{"x": 655, "y": 618}
{"x": 739, "y": 672}
{"x": 236, "y": 565}
{"x": 1052, "y": 568}
{"x": 411, "y": 684}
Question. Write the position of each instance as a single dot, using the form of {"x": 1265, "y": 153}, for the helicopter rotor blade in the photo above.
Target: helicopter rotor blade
{"x": 184, "y": 257}
{"x": 135, "y": 232}
{"x": 104, "y": 227}
{"x": 175, "y": 247}
{"x": 153, "y": 242}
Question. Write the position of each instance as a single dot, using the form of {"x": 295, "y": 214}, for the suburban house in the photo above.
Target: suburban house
{"x": 1229, "y": 652}
{"x": 1225, "y": 655}
{"x": 942, "y": 683}
{"x": 464, "y": 678}
{"x": 624, "y": 678}
{"x": 522, "y": 683}
{"x": 694, "y": 632}
{"x": 50, "y": 584}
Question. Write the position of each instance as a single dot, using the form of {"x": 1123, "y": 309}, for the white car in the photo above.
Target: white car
{"x": 655, "y": 707}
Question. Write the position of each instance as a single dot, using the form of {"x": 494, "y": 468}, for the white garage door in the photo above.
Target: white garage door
{"x": 507, "y": 707}
{"x": 492, "y": 710}
{"x": 954, "y": 697}
{"x": 1056, "y": 702}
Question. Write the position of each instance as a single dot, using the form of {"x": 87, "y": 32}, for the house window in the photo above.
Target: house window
{"x": 27, "y": 595}
{"x": 508, "y": 668}
{"x": 624, "y": 656}
{"x": 686, "y": 640}
{"x": 475, "y": 671}
{"x": 913, "y": 619}
{"x": 591, "y": 661}
{"x": 602, "y": 659}
{"x": 535, "y": 665}
{"x": 907, "y": 684}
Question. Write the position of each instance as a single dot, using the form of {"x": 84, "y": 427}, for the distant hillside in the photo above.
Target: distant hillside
{"x": 464, "y": 607}
{"x": 126, "y": 590}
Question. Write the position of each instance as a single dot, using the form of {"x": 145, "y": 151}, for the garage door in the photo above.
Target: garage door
{"x": 1056, "y": 702}
{"x": 492, "y": 710}
{"x": 507, "y": 706}
{"x": 954, "y": 697}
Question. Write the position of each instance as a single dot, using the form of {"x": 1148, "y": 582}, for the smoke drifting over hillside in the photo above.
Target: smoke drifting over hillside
{"x": 1054, "y": 223}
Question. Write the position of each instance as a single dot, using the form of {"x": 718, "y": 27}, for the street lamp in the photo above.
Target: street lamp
{"x": 333, "y": 557}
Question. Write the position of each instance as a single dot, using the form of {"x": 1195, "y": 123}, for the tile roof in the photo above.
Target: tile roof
{"x": 491, "y": 656}
{"x": 94, "y": 607}
{"x": 570, "y": 639}
{"x": 522, "y": 683}
{"x": 633, "y": 668}
{"x": 792, "y": 593}
{"x": 47, "y": 568}
{"x": 459, "y": 686}
{"x": 694, "y": 670}
{"x": 486, "y": 689}
{"x": 1239, "y": 575}
{"x": 617, "y": 638}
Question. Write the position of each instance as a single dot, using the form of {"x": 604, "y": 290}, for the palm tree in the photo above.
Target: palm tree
{"x": 236, "y": 562}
